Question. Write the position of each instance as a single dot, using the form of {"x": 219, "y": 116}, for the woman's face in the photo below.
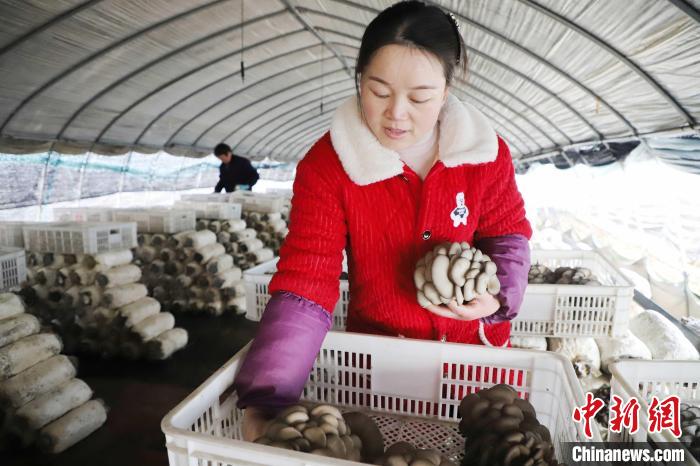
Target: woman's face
{"x": 401, "y": 92}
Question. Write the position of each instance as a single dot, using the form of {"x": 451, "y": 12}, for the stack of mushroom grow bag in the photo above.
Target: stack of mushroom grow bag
{"x": 267, "y": 215}
{"x": 93, "y": 297}
{"x": 271, "y": 229}
{"x": 41, "y": 400}
{"x": 192, "y": 272}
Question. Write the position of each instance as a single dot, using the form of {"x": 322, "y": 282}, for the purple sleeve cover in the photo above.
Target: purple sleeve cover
{"x": 282, "y": 354}
{"x": 511, "y": 254}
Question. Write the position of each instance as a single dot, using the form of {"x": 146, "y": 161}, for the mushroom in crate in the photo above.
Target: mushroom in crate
{"x": 405, "y": 454}
{"x": 502, "y": 429}
{"x": 323, "y": 430}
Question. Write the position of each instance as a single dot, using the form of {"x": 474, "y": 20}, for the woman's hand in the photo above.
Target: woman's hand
{"x": 482, "y": 306}
{"x": 254, "y": 424}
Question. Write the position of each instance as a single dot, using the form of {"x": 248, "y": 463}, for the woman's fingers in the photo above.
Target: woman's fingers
{"x": 442, "y": 311}
{"x": 453, "y": 311}
{"x": 481, "y": 306}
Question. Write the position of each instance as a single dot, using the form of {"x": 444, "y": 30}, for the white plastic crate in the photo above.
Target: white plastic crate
{"x": 575, "y": 310}
{"x": 13, "y": 267}
{"x": 212, "y": 210}
{"x": 157, "y": 220}
{"x": 11, "y": 234}
{"x": 82, "y": 214}
{"x": 258, "y": 202}
{"x": 411, "y": 388}
{"x": 258, "y": 278}
{"x": 212, "y": 197}
{"x": 644, "y": 379}
{"x": 79, "y": 238}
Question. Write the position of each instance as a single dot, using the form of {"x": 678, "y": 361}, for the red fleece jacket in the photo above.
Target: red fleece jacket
{"x": 387, "y": 226}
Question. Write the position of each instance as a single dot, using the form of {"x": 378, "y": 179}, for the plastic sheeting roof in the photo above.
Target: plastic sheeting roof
{"x": 111, "y": 75}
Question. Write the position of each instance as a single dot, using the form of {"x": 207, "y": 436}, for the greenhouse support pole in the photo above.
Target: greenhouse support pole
{"x": 81, "y": 177}
{"x": 42, "y": 181}
{"x": 122, "y": 176}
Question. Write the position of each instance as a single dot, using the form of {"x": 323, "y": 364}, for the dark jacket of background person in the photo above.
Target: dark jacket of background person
{"x": 238, "y": 171}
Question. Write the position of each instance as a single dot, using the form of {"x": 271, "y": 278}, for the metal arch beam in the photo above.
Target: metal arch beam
{"x": 540, "y": 87}
{"x": 157, "y": 61}
{"x": 487, "y": 109}
{"x": 339, "y": 33}
{"x": 512, "y": 70}
{"x": 307, "y": 135}
{"x": 523, "y": 103}
{"x": 686, "y": 8}
{"x": 550, "y": 65}
{"x": 617, "y": 54}
{"x": 502, "y": 130}
{"x": 529, "y": 53}
{"x": 267, "y": 111}
{"x": 293, "y": 137}
{"x": 510, "y": 121}
{"x": 281, "y": 115}
{"x": 100, "y": 53}
{"x": 184, "y": 76}
{"x": 289, "y": 120}
{"x": 286, "y": 122}
{"x": 514, "y": 97}
{"x": 296, "y": 135}
{"x": 189, "y": 73}
{"x": 303, "y": 9}
{"x": 301, "y": 132}
{"x": 43, "y": 27}
{"x": 293, "y": 10}
{"x": 505, "y": 119}
{"x": 293, "y": 129}
{"x": 233, "y": 94}
{"x": 229, "y": 96}
{"x": 311, "y": 119}
{"x": 308, "y": 138}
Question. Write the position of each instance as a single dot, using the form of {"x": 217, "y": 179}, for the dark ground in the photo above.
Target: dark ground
{"x": 140, "y": 393}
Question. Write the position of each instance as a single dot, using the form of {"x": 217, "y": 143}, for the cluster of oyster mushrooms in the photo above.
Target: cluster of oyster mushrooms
{"x": 540, "y": 274}
{"x": 323, "y": 430}
{"x": 405, "y": 454}
{"x": 690, "y": 428}
{"x": 454, "y": 271}
{"x": 502, "y": 430}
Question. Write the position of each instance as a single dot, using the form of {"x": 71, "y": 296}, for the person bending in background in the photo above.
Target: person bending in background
{"x": 234, "y": 170}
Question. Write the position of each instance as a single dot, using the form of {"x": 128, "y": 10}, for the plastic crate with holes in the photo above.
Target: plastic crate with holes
{"x": 411, "y": 388}
{"x": 211, "y": 197}
{"x": 82, "y": 214}
{"x": 212, "y": 210}
{"x": 258, "y": 202}
{"x": 257, "y": 279}
{"x": 157, "y": 220}
{"x": 643, "y": 380}
{"x": 11, "y": 234}
{"x": 79, "y": 237}
{"x": 575, "y": 310}
{"x": 13, "y": 267}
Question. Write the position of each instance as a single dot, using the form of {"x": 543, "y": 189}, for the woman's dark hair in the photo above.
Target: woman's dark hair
{"x": 415, "y": 24}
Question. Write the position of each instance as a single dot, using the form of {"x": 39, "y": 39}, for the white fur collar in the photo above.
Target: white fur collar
{"x": 466, "y": 137}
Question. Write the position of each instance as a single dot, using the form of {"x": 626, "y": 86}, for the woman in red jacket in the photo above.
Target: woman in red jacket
{"x": 405, "y": 166}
